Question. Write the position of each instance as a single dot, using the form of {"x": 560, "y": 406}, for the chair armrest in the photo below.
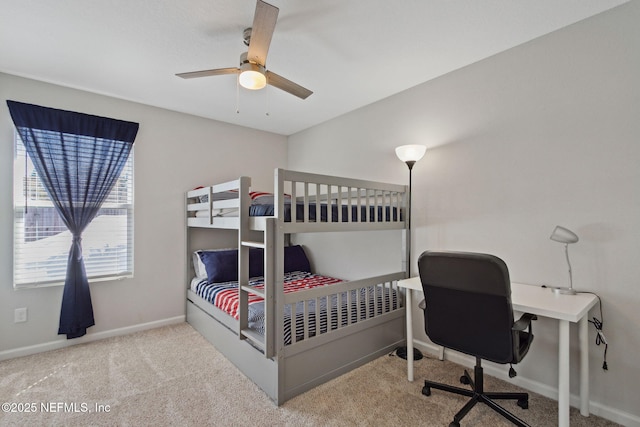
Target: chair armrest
{"x": 524, "y": 322}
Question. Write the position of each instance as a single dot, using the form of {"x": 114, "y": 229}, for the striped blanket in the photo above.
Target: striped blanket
{"x": 371, "y": 300}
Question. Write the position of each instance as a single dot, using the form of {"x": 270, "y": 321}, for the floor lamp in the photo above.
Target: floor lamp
{"x": 409, "y": 154}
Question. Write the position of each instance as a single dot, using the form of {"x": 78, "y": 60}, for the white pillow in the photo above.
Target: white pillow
{"x": 198, "y": 266}
{"x": 224, "y": 195}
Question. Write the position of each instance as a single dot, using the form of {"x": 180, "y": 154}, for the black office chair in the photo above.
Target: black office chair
{"x": 468, "y": 309}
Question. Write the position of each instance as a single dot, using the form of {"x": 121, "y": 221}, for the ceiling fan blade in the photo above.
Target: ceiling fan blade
{"x": 287, "y": 85}
{"x": 264, "y": 23}
{"x": 207, "y": 73}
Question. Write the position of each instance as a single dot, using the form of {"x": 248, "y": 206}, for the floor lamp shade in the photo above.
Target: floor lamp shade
{"x": 410, "y": 153}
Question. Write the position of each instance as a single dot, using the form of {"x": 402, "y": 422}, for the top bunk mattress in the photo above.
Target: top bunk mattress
{"x": 364, "y": 214}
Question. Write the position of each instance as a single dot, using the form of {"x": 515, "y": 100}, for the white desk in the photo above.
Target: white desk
{"x": 542, "y": 302}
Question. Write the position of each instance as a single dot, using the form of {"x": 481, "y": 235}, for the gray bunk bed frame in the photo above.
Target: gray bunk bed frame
{"x": 284, "y": 371}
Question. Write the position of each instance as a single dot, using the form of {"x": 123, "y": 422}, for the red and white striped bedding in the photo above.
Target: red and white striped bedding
{"x": 225, "y": 295}
{"x": 371, "y": 300}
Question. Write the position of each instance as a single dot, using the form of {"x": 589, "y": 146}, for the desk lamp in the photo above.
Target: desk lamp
{"x": 563, "y": 235}
{"x": 409, "y": 154}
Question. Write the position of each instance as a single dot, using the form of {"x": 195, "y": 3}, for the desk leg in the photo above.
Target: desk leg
{"x": 583, "y": 339}
{"x": 409, "y": 316}
{"x": 563, "y": 374}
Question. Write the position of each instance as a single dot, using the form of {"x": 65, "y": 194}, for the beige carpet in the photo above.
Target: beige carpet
{"x": 171, "y": 376}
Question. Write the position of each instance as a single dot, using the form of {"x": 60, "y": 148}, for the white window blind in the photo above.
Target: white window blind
{"x": 42, "y": 241}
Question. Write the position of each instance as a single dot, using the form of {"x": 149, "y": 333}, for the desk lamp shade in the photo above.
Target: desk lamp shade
{"x": 563, "y": 235}
{"x": 566, "y": 236}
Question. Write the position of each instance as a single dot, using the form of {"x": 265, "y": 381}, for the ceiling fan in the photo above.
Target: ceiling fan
{"x": 252, "y": 71}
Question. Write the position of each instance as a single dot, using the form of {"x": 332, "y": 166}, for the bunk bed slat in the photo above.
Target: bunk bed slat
{"x": 317, "y": 195}
{"x": 294, "y": 198}
{"x": 339, "y": 203}
{"x": 340, "y": 301}
{"x": 316, "y": 315}
{"x": 305, "y": 320}
{"x": 253, "y": 244}
{"x": 305, "y": 208}
{"x": 293, "y": 323}
{"x": 253, "y": 290}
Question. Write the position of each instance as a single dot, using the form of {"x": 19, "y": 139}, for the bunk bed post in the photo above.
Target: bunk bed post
{"x": 269, "y": 280}
{"x": 243, "y": 255}
{"x": 278, "y": 253}
{"x": 189, "y": 270}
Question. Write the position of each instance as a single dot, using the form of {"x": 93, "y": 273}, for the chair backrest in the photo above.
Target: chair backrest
{"x": 468, "y": 297}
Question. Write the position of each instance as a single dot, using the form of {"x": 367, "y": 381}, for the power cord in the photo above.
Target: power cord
{"x": 401, "y": 352}
{"x": 598, "y": 324}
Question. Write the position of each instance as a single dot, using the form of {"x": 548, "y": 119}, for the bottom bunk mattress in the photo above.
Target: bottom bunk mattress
{"x": 335, "y": 309}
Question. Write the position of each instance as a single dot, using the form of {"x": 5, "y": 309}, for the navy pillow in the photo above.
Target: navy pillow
{"x": 295, "y": 259}
{"x": 222, "y": 265}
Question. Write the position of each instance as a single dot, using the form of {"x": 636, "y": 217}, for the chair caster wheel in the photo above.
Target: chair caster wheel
{"x": 454, "y": 424}
{"x": 464, "y": 379}
{"x": 523, "y": 403}
{"x": 426, "y": 390}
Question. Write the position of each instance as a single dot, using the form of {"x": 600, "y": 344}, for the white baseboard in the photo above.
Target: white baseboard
{"x": 62, "y": 343}
{"x": 595, "y": 408}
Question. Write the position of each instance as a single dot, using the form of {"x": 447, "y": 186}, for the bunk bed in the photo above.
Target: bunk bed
{"x": 289, "y": 342}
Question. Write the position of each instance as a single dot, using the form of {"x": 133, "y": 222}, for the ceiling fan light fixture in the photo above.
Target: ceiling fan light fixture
{"x": 252, "y": 76}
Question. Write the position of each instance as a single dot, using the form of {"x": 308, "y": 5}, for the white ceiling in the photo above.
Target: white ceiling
{"x": 350, "y": 53}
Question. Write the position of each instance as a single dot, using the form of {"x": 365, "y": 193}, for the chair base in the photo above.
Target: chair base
{"x": 477, "y": 394}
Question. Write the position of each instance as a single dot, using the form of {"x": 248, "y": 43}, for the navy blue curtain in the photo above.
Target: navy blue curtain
{"x": 78, "y": 158}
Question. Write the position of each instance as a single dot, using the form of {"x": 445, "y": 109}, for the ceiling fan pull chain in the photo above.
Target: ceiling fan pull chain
{"x": 266, "y": 107}
{"x": 238, "y": 94}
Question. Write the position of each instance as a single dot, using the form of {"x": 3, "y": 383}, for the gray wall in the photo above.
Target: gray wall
{"x": 173, "y": 153}
{"x": 543, "y": 134}
{"x": 546, "y": 133}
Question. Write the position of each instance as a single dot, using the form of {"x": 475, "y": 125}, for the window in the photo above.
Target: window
{"x": 42, "y": 241}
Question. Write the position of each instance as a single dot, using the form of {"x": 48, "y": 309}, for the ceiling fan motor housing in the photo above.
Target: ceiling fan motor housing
{"x": 244, "y": 59}
{"x": 246, "y": 36}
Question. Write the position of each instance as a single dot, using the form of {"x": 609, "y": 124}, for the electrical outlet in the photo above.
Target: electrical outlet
{"x": 20, "y": 315}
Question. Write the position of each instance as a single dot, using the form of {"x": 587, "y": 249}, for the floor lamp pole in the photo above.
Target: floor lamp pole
{"x": 410, "y": 164}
